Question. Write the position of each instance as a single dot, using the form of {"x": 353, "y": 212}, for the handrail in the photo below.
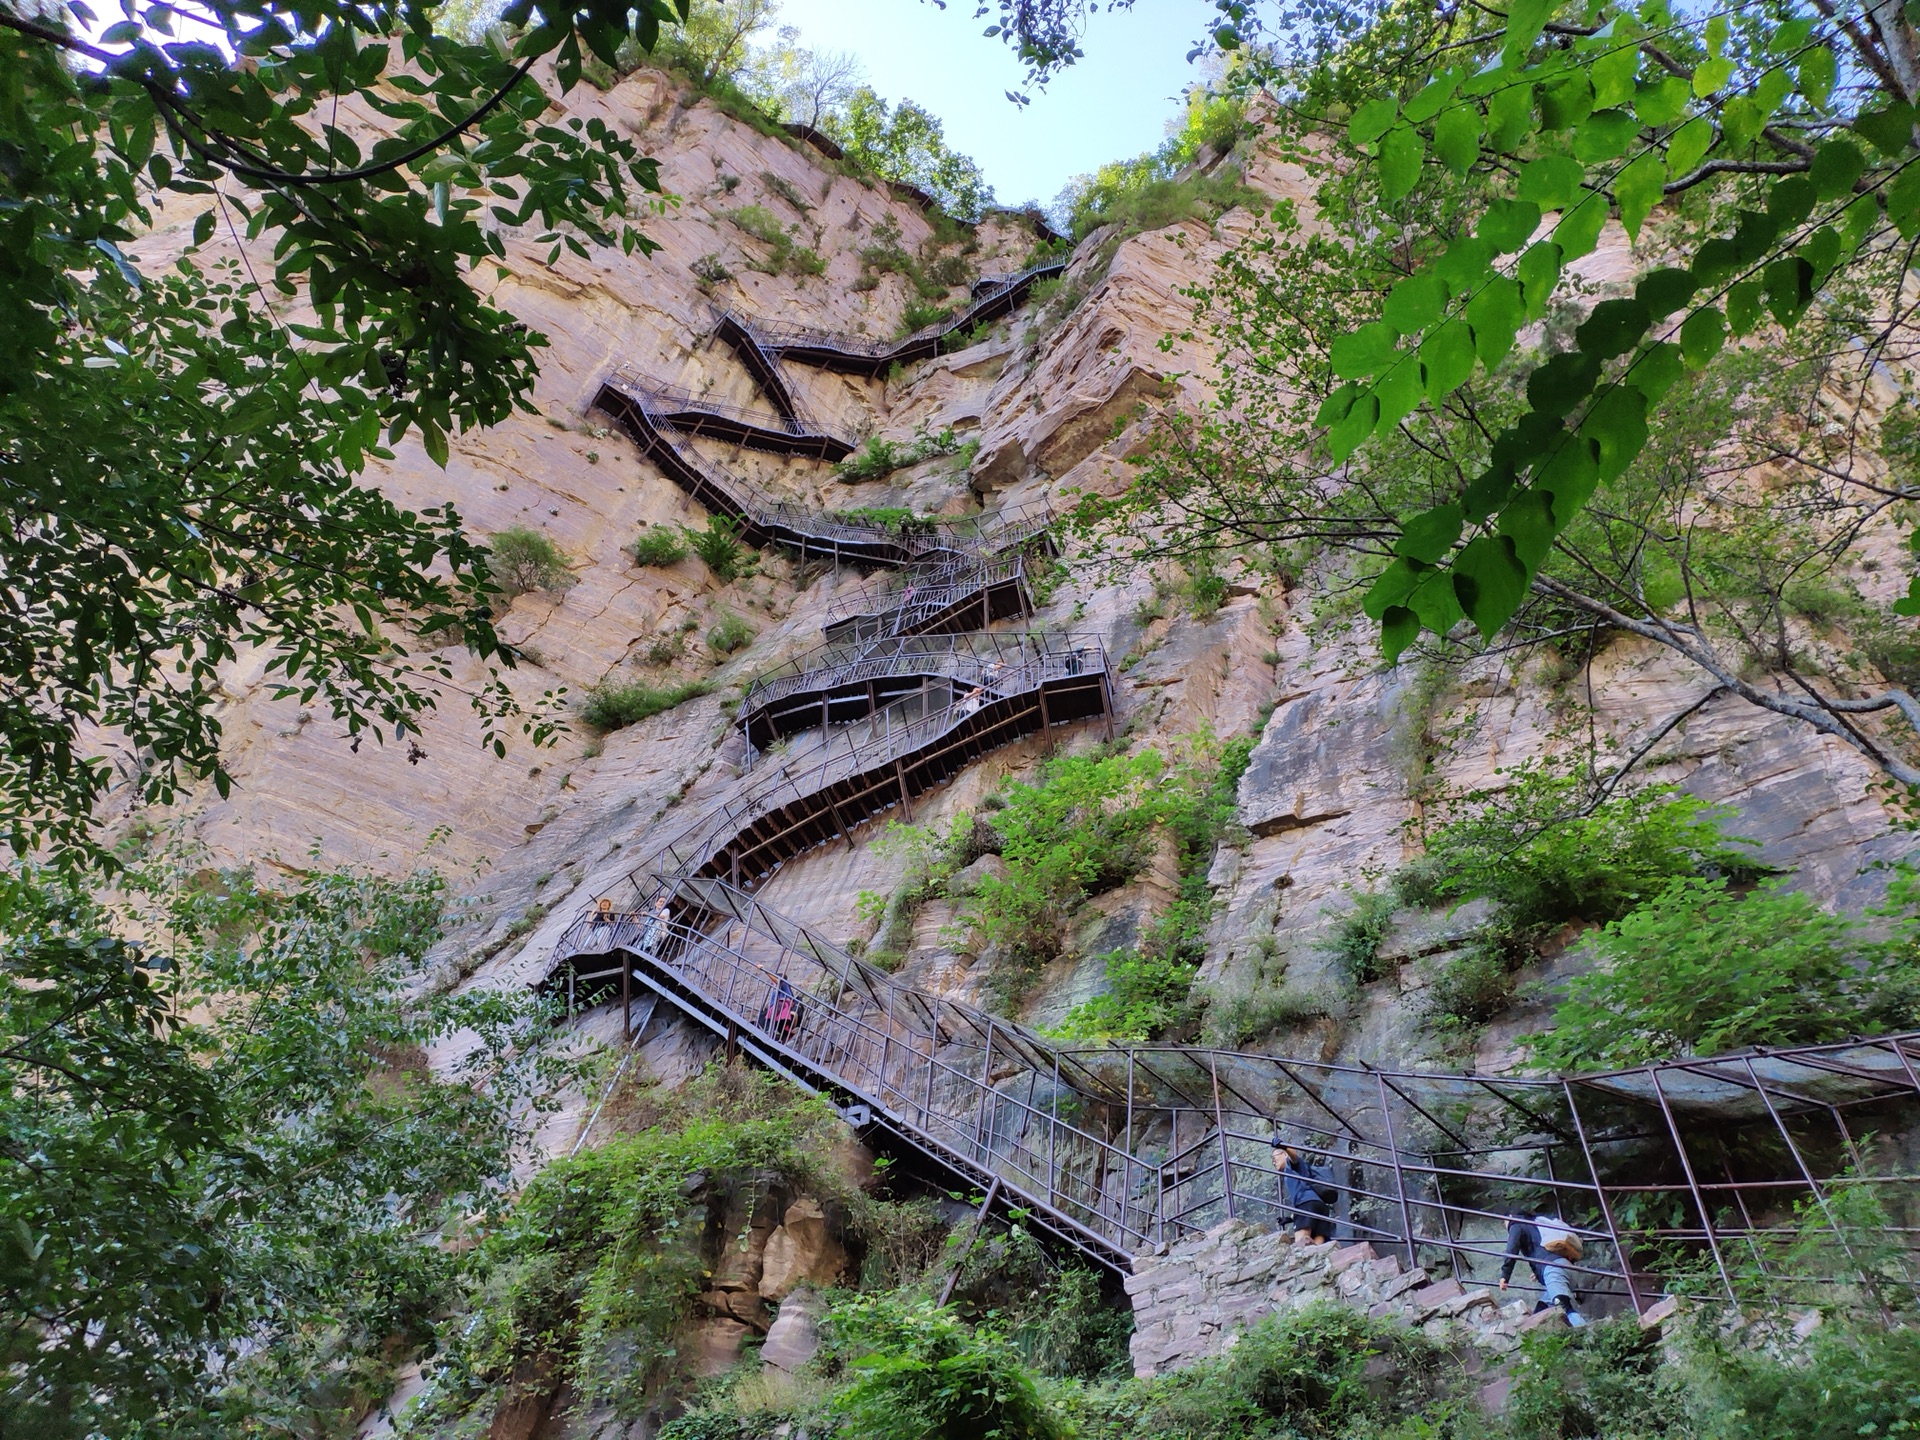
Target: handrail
{"x": 993, "y": 296}
{"x": 1124, "y": 1149}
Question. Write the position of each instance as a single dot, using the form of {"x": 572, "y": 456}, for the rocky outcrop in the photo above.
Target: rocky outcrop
{"x": 1191, "y": 1302}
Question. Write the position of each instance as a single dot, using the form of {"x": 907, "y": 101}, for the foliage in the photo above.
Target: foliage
{"x": 880, "y": 458}
{"x": 598, "y": 1261}
{"x": 1150, "y": 192}
{"x": 918, "y": 1370}
{"x": 921, "y": 315}
{"x": 520, "y": 560}
{"x": 713, "y": 44}
{"x": 226, "y": 1168}
{"x": 614, "y": 706}
{"x": 200, "y": 495}
{"x": 1149, "y": 987}
{"x": 719, "y": 546}
{"x": 1547, "y": 850}
{"x": 1300, "y": 1374}
{"x": 1354, "y": 942}
{"x": 908, "y": 145}
{"x": 658, "y": 545}
{"x": 1700, "y": 969}
{"x": 787, "y": 256}
{"x": 728, "y": 634}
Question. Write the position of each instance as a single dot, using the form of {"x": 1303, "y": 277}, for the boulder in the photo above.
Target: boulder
{"x": 801, "y": 1250}
{"x": 795, "y": 1336}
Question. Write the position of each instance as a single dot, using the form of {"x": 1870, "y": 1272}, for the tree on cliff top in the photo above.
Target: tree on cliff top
{"x": 181, "y": 446}
{"x": 1418, "y": 379}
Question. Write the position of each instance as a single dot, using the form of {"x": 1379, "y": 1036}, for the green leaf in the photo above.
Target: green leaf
{"x": 1902, "y": 195}
{"x": 1399, "y": 628}
{"x": 1430, "y": 97}
{"x": 1655, "y": 371}
{"x": 1822, "y": 251}
{"x": 1613, "y": 328}
{"x": 1335, "y": 407}
{"x": 1701, "y": 336}
{"x": 1490, "y": 582}
{"x": 1372, "y": 120}
{"x": 1401, "y": 155}
{"x": 1361, "y": 352}
{"x": 1742, "y": 118}
{"x": 1565, "y": 102}
{"x": 1571, "y": 475}
{"x": 1354, "y": 427}
{"x": 1639, "y": 188}
{"x": 1496, "y": 316}
{"x": 1400, "y": 390}
{"x": 1552, "y": 181}
{"x": 1661, "y": 102}
{"x": 1465, "y": 264}
{"x": 1613, "y": 73}
{"x": 1837, "y": 165}
{"x": 1456, "y": 138}
{"x": 1578, "y": 232}
{"x": 1711, "y": 75}
{"x": 1744, "y": 306}
{"x": 1539, "y": 272}
{"x": 1555, "y": 388}
{"x": 1688, "y": 146}
{"x": 1789, "y": 282}
{"x": 1665, "y": 291}
{"x": 1525, "y": 20}
{"x": 1415, "y": 303}
{"x": 1447, "y": 355}
{"x": 1510, "y": 117}
{"x": 434, "y": 440}
{"x": 1889, "y": 129}
{"x": 1791, "y": 200}
{"x": 1435, "y": 603}
{"x": 1605, "y": 135}
{"x": 203, "y": 227}
{"x": 1527, "y": 520}
{"x": 1428, "y": 536}
{"x": 1617, "y": 424}
{"x": 1509, "y": 224}
{"x": 1391, "y": 587}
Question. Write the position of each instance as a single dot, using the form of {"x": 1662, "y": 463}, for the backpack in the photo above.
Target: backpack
{"x": 1557, "y": 1239}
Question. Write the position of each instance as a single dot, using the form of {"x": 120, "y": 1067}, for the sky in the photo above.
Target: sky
{"x": 1112, "y": 105}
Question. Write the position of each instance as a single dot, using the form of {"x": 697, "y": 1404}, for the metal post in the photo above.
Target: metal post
{"x": 1220, "y": 1129}
{"x": 1693, "y": 1185}
{"x": 1053, "y": 1130}
{"x": 986, "y": 1093}
{"x": 572, "y": 970}
{"x": 1126, "y": 1177}
{"x": 906, "y": 801}
{"x": 626, "y": 999}
{"x": 1620, "y": 1250}
{"x": 979, "y": 1219}
{"x": 1399, "y": 1174}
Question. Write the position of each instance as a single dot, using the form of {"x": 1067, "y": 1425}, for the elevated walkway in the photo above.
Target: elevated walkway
{"x": 993, "y": 298}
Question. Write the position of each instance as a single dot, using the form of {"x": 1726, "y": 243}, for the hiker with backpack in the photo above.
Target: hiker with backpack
{"x": 1546, "y": 1244}
{"x": 1306, "y": 1188}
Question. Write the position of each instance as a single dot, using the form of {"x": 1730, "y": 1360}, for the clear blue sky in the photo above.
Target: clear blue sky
{"x": 1113, "y": 104}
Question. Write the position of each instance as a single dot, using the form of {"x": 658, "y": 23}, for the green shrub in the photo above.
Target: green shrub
{"x": 1354, "y": 945}
{"x": 613, "y": 706}
{"x": 728, "y": 634}
{"x": 718, "y": 545}
{"x": 762, "y": 224}
{"x": 1241, "y": 1017}
{"x": 805, "y": 261}
{"x": 658, "y": 545}
{"x": 920, "y": 314}
{"x": 1300, "y": 1374}
{"x": 709, "y": 271}
{"x": 1544, "y": 854}
{"x": 881, "y": 458}
{"x": 1702, "y": 969}
{"x": 1475, "y": 985}
{"x": 520, "y": 560}
{"x": 918, "y": 1371}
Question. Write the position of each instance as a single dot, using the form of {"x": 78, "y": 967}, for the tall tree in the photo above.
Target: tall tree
{"x": 181, "y": 464}
{"x": 1418, "y": 376}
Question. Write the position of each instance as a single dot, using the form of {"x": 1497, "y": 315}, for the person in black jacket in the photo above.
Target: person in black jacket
{"x": 1306, "y": 1187}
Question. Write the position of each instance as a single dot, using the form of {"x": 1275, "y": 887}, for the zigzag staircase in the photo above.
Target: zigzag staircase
{"x": 1698, "y": 1177}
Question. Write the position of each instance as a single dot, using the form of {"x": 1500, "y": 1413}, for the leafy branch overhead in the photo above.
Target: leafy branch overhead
{"x": 201, "y": 495}
{"x": 1569, "y": 121}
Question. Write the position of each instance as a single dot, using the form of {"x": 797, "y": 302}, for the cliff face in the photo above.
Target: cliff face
{"x": 1053, "y": 398}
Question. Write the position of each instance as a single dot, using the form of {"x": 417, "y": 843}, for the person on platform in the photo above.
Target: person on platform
{"x": 1307, "y": 1191}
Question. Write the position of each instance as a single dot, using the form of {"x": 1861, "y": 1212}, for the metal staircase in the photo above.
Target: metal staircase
{"x": 1714, "y": 1177}
{"x": 761, "y": 343}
